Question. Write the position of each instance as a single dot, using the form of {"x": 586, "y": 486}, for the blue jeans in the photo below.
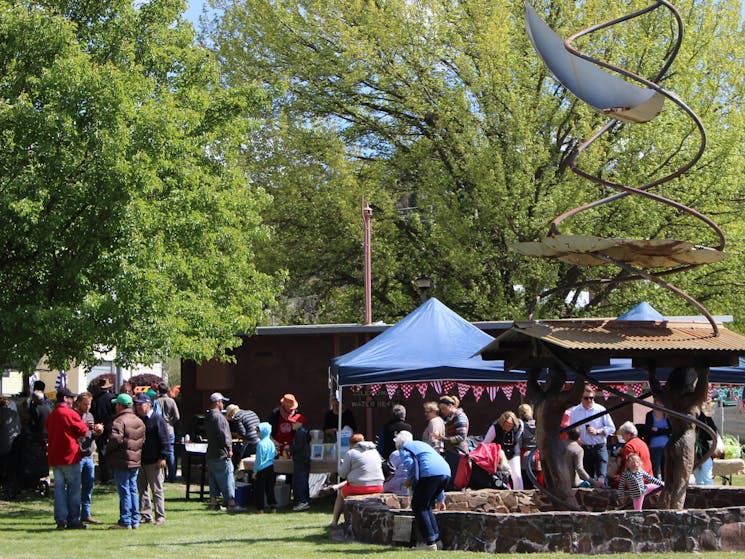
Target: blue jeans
{"x": 657, "y": 455}
{"x": 596, "y": 462}
{"x": 67, "y": 494}
{"x": 221, "y": 479}
{"x": 423, "y": 499}
{"x": 171, "y": 460}
{"x": 704, "y": 474}
{"x": 129, "y": 499}
{"x": 87, "y": 474}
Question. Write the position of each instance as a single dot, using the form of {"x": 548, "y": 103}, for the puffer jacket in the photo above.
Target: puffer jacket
{"x": 124, "y": 448}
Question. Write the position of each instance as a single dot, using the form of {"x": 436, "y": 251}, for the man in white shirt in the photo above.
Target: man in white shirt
{"x": 593, "y": 434}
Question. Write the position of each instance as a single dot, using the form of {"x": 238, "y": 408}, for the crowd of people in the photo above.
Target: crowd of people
{"x": 133, "y": 434}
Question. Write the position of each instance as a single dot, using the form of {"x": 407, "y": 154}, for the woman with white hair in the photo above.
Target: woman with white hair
{"x": 633, "y": 445}
{"x": 427, "y": 474}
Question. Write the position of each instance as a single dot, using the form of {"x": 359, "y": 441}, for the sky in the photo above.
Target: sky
{"x": 194, "y": 10}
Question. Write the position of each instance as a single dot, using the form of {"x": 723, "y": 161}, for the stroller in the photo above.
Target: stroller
{"x": 479, "y": 469}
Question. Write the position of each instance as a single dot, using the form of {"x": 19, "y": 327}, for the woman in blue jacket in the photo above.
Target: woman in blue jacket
{"x": 427, "y": 474}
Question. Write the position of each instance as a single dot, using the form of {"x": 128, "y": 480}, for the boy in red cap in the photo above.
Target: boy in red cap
{"x": 300, "y": 462}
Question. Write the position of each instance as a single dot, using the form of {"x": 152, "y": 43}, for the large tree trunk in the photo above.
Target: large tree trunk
{"x": 685, "y": 392}
{"x": 549, "y": 403}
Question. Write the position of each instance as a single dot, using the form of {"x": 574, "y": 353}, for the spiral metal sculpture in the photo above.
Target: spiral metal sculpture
{"x": 626, "y": 98}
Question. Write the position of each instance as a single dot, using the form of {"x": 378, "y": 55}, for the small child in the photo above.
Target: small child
{"x": 636, "y": 479}
{"x": 264, "y": 469}
{"x": 300, "y": 463}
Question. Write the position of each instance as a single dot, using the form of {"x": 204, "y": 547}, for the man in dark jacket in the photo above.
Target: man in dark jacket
{"x": 124, "y": 455}
{"x": 103, "y": 410}
{"x": 393, "y": 427}
{"x": 155, "y": 453}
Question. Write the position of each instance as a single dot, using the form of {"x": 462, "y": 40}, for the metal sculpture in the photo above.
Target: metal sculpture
{"x": 626, "y": 98}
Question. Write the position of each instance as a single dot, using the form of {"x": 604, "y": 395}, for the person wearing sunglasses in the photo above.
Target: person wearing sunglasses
{"x": 593, "y": 434}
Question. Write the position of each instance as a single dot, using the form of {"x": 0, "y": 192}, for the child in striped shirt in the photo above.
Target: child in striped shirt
{"x": 635, "y": 483}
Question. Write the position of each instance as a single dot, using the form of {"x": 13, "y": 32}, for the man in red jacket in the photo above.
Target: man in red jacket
{"x": 64, "y": 428}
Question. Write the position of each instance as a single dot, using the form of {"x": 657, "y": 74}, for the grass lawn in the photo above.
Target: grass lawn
{"x": 27, "y": 530}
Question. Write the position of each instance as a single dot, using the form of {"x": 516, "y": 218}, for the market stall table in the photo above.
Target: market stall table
{"x": 284, "y": 466}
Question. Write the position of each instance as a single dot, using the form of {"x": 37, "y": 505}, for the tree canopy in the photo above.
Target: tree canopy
{"x": 126, "y": 215}
{"x": 440, "y": 113}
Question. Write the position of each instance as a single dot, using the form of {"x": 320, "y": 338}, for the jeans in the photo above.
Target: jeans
{"x": 87, "y": 474}
{"x": 171, "y": 460}
{"x": 657, "y": 455}
{"x": 596, "y": 462}
{"x": 423, "y": 499}
{"x": 704, "y": 474}
{"x": 151, "y": 478}
{"x": 300, "y": 477}
{"x": 129, "y": 501}
{"x": 67, "y": 494}
{"x": 221, "y": 479}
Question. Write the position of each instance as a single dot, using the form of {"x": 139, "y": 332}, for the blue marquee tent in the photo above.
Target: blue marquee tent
{"x": 431, "y": 343}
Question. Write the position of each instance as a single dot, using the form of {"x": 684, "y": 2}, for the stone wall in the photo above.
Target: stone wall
{"x": 523, "y": 522}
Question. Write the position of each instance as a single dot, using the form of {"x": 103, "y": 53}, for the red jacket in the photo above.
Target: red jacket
{"x": 637, "y": 446}
{"x": 64, "y": 428}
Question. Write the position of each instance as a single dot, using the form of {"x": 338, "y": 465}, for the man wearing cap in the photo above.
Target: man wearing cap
{"x": 281, "y": 423}
{"x": 124, "y": 455}
{"x": 64, "y": 428}
{"x": 219, "y": 454}
{"x": 155, "y": 453}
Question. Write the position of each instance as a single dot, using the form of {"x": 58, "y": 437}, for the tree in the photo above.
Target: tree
{"x": 126, "y": 217}
{"x": 442, "y": 115}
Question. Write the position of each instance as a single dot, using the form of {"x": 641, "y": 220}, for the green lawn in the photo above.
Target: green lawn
{"x": 27, "y": 530}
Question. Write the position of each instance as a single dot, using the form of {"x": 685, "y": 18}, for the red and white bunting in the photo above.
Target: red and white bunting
{"x": 374, "y": 388}
{"x": 492, "y": 392}
{"x": 606, "y": 394}
{"x": 437, "y": 386}
{"x": 391, "y": 389}
{"x": 637, "y": 388}
{"x": 422, "y": 388}
{"x": 407, "y": 389}
{"x": 711, "y": 392}
{"x": 477, "y": 392}
{"x": 447, "y": 386}
{"x": 522, "y": 387}
{"x": 462, "y": 390}
{"x": 507, "y": 389}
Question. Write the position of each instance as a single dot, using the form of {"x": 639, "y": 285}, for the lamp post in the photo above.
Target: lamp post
{"x": 423, "y": 283}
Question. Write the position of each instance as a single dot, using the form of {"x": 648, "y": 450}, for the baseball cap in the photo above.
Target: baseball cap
{"x": 297, "y": 418}
{"x": 143, "y": 398}
{"x": 63, "y": 393}
{"x": 123, "y": 399}
{"x": 216, "y": 397}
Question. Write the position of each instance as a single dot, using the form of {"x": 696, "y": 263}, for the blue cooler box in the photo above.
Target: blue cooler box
{"x": 243, "y": 493}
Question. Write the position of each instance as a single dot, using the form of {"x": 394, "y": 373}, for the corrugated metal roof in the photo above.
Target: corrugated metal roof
{"x": 613, "y": 335}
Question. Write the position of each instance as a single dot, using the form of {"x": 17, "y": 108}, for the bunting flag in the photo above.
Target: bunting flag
{"x": 606, "y": 394}
{"x": 422, "y": 388}
{"x": 462, "y": 390}
{"x": 477, "y": 392}
{"x": 522, "y": 387}
{"x": 507, "y": 389}
{"x": 406, "y": 389}
{"x": 61, "y": 381}
{"x": 437, "y": 386}
{"x": 492, "y": 392}
{"x": 374, "y": 388}
{"x": 391, "y": 389}
{"x": 637, "y": 389}
{"x": 447, "y": 386}
{"x": 31, "y": 380}
{"x": 711, "y": 392}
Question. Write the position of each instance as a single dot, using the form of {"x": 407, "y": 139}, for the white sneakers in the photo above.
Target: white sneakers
{"x": 301, "y": 507}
